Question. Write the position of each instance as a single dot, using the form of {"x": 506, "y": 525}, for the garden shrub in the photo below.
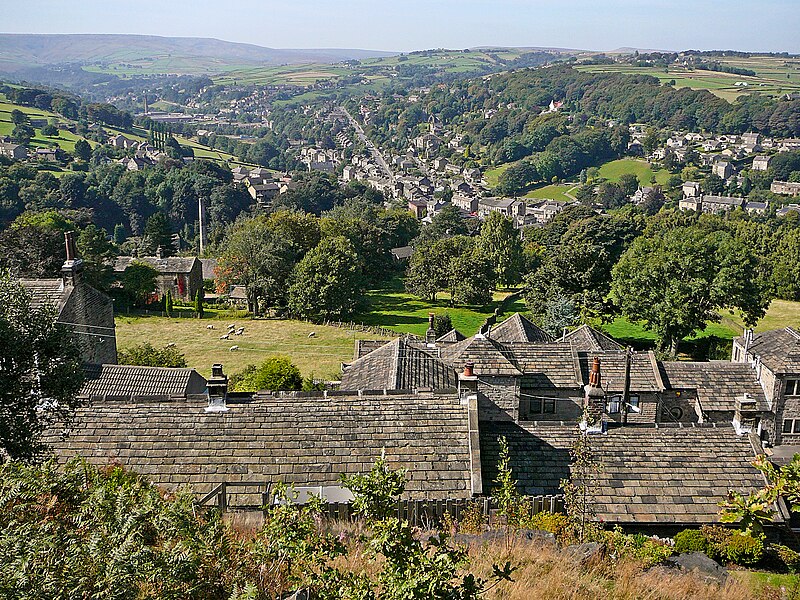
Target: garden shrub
{"x": 691, "y": 540}
{"x": 788, "y": 557}
{"x": 744, "y": 549}
{"x": 717, "y": 537}
{"x": 646, "y": 550}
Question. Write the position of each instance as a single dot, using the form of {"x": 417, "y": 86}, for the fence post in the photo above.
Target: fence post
{"x": 222, "y": 498}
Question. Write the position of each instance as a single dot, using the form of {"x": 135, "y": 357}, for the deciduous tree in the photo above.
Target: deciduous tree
{"x": 328, "y": 282}
{"x": 40, "y": 371}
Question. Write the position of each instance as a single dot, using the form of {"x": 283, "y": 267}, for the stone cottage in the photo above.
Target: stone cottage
{"x": 182, "y": 276}
{"x": 87, "y": 312}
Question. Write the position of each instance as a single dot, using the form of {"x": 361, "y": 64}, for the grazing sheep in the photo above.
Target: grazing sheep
{"x": 227, "y": 336}
{"x": 239, "y": 331}
{"x": 312, "y": 334}
{"x": 234, "y": 348}
{"x": 231, "y": 325}
{"x": 209, "y": 327}
{"x": 171, "y": 345}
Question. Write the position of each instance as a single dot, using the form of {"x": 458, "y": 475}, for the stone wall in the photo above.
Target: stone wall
{"x": 498, "y": 398}
{"x": 90, "y": 315}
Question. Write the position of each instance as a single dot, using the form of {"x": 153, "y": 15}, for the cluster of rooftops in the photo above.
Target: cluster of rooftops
{"x": 672, "y": 438}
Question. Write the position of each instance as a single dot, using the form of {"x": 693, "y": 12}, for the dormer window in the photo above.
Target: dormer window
{"x": 793, "y": 387}
{"x": 613, "y": 405}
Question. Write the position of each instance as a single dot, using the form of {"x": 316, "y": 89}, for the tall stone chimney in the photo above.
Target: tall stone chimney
{"x": 73, "y": 266}
{"x": 217, "y": 386}
{"x": 594, "y": 402}
{"x": 430, "y": 334}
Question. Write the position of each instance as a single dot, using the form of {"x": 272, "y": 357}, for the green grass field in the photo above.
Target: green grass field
{"x": 492, "y": 176}
{"x": 557, "y": 192}
{"x": 65, "y": 140}
{"x": 616, "y": 168}
{"x": 395, "y": 309}
{"x": 781, "y": 313}
{"x": 321, "y": 355}
{"x": 622, "y": 329}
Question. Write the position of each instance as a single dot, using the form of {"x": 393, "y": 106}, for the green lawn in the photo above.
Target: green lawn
{"x": 492, "y": 176}
{"x": 622, "y": 329}
{"x": 616, "y": 168}
{"x": 395, "y": 309}
{"x": 556, "y": 192}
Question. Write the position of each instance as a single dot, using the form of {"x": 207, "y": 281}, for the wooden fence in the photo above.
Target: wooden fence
{"x": 351, "y": 326}
{"x": 249, "y": 497}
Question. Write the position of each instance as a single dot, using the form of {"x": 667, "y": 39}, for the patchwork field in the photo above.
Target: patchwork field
{"x": 774, "y": 76}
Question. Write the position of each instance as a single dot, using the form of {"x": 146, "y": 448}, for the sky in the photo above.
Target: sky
{"x": 404, "y": 25}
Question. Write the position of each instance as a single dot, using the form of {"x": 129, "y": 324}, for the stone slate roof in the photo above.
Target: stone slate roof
{"x": 645, "y": 376}
{"x": 547, "y": 365}
{"x": 487, "y": 355}
{"x": 451, "y": 337}
{"x": 126, "y": 381}
{"x": 171, "y": 264}
{"x": 304, "y": 439}
{"x": 665, "y": 475}
{"x": 519, "y": 329}
{"x": 779, "y": 350}
{"x": 48, "y": 293}
{"x": 589, "y": 339}
{"x": 402, "y": 364}
{"x": 364, "y": 347}
{"x": 209, "y": 264}
{"x": 717, "y": 383}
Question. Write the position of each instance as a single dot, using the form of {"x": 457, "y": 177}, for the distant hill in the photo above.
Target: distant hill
{"x": 18, "y": 51}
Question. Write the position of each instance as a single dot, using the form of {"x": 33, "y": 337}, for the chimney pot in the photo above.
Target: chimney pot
{"x": 69, "y": 242}
{"x": 469, "y": 369}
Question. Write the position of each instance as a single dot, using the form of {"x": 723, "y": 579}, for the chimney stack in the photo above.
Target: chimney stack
{"x": 70, "y": 271}
{"x": 595, "y": 401}
{"x": 217, "y": 386}
{"x": 430, "y": 334}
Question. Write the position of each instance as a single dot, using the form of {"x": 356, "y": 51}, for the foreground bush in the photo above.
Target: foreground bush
{"x": 81, "y": 532}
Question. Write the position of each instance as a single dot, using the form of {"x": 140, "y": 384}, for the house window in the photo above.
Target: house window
{"x": 793, "y": 387}
{"x": 633, "y": 403}
{"x": 791, "y": 426}
{"x": 613, "y": 405}
{"x": 539, "y": 405}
